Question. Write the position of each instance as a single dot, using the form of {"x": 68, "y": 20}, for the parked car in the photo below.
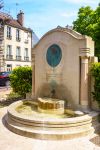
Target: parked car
{"x": 4, "y": 78}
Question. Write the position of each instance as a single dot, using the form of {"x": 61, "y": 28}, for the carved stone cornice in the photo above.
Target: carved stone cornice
{"x": 84, "y": 52}
{"x": 71, "y": 32}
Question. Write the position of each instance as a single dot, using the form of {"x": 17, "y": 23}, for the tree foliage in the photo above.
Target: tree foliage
{"x": 88, "y": 23}
{"x": 21, "y": 80}
{"x": 95, "y": 71}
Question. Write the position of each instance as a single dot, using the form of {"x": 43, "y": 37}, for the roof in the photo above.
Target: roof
{"x": 35, "y": 39}
{"x": 8, "y": 20}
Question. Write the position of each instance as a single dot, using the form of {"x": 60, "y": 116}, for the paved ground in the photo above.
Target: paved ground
{"x": 12, "y": 141}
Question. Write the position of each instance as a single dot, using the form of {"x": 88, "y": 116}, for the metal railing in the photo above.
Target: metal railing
{"x": 18, "y": 58}
{"x": 26, "y": 58}
{"x": 9, "y": 57}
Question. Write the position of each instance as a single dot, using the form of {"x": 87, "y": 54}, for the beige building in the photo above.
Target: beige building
{"x": 15, "y": 42}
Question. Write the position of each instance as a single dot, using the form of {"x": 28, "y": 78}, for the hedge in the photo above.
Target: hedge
{"x": 21, "y": 80}
{"x": 95, "y": 71}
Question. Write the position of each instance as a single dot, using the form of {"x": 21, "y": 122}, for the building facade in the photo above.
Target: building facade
{"x": 15, "y": 42}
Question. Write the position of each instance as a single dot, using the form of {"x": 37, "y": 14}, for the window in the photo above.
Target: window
{"x": 26, "y": 58}
{"x": 26, "y": 37}
{"x": 9, "y": 67}
{"x": 9, "y": 52}
{"x": 8, "y": 32}
{"x": 18, "y": 53}
{"x": 26, "y": 52}
{"x": 17, "y": 34}
{"x": 9, "y": 49}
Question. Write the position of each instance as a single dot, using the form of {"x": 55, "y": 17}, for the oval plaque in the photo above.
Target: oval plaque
{"x": 54, "y": 55}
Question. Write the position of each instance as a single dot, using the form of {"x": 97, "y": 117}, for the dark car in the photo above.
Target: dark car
{"x": 4, "y": 78}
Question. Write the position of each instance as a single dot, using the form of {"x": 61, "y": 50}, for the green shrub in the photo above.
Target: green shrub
{"x": 21, "y": 80}
{"x": 14, "y": 96}
{"x": 95, "y": 71}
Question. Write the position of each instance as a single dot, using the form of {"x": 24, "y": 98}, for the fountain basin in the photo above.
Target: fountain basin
{"x": 49, "y": 127}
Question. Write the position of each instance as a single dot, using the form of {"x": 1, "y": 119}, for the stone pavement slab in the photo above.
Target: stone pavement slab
{"x": 12, "y": 141}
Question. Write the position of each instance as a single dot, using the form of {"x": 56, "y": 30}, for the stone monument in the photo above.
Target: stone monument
{"x": 61, "y": 65}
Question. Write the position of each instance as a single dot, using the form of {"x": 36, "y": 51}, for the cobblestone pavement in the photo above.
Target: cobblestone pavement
{"x": 12, "y": 141}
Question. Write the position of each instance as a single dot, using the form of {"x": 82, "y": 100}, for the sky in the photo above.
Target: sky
{"x": 44, "y": 15}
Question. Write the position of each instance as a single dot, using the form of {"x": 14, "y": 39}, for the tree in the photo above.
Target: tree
{"x": 88, "y": 23}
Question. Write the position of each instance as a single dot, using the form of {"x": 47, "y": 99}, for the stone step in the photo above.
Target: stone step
{"x": 51, "y": 126}
{"x": 48, "y": 134}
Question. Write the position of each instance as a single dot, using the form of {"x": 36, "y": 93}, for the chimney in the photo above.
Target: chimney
{"x": 20, "y": 18}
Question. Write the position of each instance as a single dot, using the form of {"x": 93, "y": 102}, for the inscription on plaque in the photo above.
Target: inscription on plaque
{"x": 51, "y": 76}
